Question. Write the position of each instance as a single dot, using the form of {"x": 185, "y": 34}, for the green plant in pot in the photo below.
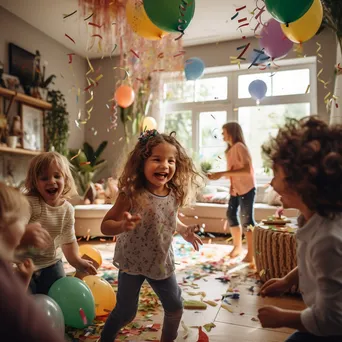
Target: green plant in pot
{"x": 57, "y": 123}
{"x": 86, "y": 166}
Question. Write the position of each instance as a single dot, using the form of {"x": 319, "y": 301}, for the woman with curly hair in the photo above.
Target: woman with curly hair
{"x": 157, "y": 179}
{"x": 307, "y": 164}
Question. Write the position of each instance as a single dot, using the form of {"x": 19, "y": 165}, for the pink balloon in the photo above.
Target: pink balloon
{"x": 273, "y": 40}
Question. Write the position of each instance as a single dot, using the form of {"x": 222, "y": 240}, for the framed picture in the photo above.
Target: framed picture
{"x": 21, "y": 64}
{"x": 12, "y": 83}
{"x": 33, "y": 128}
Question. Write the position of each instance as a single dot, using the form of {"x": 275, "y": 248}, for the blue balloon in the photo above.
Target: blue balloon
{"x": 257, "y": 89}
{"x": 194, "y": 68}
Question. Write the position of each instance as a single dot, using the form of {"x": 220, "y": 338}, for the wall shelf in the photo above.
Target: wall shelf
{"x": 22, "y": 151}
{"x": 22, "y": 98}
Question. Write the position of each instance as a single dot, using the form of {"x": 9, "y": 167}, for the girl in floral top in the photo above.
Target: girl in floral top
{"x": 158, "y": 178}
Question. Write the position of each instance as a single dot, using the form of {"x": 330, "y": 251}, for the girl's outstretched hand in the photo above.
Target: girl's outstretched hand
{"x": 129, "y": 221}
{"x": 190, "y": 236}
{"x": 214, "y": 176}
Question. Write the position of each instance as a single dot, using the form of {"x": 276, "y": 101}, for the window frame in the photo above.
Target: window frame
{"x": 232, "y": 103}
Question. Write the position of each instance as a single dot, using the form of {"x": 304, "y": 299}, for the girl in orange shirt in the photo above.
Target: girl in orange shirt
{"x": 242, "y": 188}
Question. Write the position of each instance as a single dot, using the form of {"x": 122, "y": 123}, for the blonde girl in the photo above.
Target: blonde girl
{"x": 157, "y": 179}
{"x": 242, "y": 188}
{"x": 49, "y": 184}
{"x": 20, "y": 318}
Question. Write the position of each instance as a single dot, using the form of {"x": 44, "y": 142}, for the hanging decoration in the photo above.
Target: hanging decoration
{"x": 287, "y": 11}
{"x": 194, "y": 68}
{"x": 307, "y": 26}
{"x": 257, "y": 90}
{"x": 272, "y": 40}
{"x": 140, "y": 22}
{"x": 170, "y": 15}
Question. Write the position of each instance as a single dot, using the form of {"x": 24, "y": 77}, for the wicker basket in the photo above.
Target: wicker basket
{"x": 274, "y": 252}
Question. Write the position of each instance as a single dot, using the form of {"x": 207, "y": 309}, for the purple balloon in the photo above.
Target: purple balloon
{"x": 257, "y": 89}
{"x": 273, "y": 40}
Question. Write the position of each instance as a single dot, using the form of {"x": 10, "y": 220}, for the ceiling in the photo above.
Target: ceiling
{"x": 210, "y": 24}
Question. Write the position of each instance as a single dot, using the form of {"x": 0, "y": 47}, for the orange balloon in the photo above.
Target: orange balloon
{"x": 91, "y": 253}
{"x": 103, "y": 293}
{"x": 124, "y": 96}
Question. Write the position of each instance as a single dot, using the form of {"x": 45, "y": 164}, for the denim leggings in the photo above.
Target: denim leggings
{"x": 126, "y": 307}
{"x": 307, "y": 337}
{"x": 246, "y": 204}
{"x": 43, "y": 279}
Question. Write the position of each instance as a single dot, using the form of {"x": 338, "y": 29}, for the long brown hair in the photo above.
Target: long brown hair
{"x": 235, "y": 131}
{"x": 184, "y": 183}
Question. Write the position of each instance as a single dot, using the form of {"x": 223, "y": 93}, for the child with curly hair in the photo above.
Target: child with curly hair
{"x": 307, "y": 164}
{"x": 158, "y": 178}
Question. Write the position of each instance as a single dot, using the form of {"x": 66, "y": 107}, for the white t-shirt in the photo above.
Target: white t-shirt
{"x": 319, "y": 253}
{"x": 59, "y": 222}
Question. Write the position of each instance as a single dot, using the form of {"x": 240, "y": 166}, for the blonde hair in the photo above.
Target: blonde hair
{"x": 184, "y": 182}
{"x": 40, "y": 164}
{"x": 13, "y": 206}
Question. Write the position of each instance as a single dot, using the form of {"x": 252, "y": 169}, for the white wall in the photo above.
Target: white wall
{"x": 15, "y": 30}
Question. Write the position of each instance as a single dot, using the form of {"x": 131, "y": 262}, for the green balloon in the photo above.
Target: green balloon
{"x": 288, "y": 11}
{"x": 76, "y": 301}
{"x": 170, "y": 15}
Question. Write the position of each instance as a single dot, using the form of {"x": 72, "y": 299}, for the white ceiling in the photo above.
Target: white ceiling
{"x": 210, "y": 24}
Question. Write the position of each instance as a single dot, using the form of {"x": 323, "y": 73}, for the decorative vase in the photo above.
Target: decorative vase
{"x": 12, "y": 141}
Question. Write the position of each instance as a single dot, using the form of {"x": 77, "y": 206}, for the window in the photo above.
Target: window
{"x": 196, "y": 110}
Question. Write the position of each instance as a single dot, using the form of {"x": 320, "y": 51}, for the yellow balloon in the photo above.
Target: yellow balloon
{"x": 307, "y": 26}
{"x": 140, "y": 22}
{"x": 149, "y": 123}
{"x": 103, "y": 293}
{"x": 91, "y": 253}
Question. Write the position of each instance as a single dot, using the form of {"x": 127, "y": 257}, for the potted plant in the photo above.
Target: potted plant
{"x": 40, "y": 84}
{"x": 86, "y": 166}
{"x": 57, "y": 123}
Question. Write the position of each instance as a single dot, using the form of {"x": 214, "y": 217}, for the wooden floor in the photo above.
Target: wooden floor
{"x": 239, "y": 324}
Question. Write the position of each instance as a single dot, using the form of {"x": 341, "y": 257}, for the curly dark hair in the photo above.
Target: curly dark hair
{"x": 184, "y": 183}
{"x": 310, "y": 153}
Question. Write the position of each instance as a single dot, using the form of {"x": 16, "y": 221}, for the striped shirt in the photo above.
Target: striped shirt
{"x": 59, "y": 222}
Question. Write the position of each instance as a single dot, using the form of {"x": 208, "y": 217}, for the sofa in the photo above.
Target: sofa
{"x": 209, "y": 210}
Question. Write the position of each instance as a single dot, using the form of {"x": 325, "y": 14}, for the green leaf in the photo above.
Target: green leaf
{"x": 99, "y": 151}
{"x": 89, "y": 152}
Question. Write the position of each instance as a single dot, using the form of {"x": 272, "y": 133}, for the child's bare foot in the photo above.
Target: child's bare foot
{"x": 237, "y": 250}
{"x": 248, "y": 258}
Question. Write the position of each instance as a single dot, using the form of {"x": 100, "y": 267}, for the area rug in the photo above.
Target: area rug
{"x": 211, "y": 261}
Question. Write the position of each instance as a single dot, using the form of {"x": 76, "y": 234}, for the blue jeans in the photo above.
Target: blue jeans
{"x": 43, "y": 279}
{"x": 306, "y": 337}
{"x": 246, "y": 204}
{"x": 127, "y": 300}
